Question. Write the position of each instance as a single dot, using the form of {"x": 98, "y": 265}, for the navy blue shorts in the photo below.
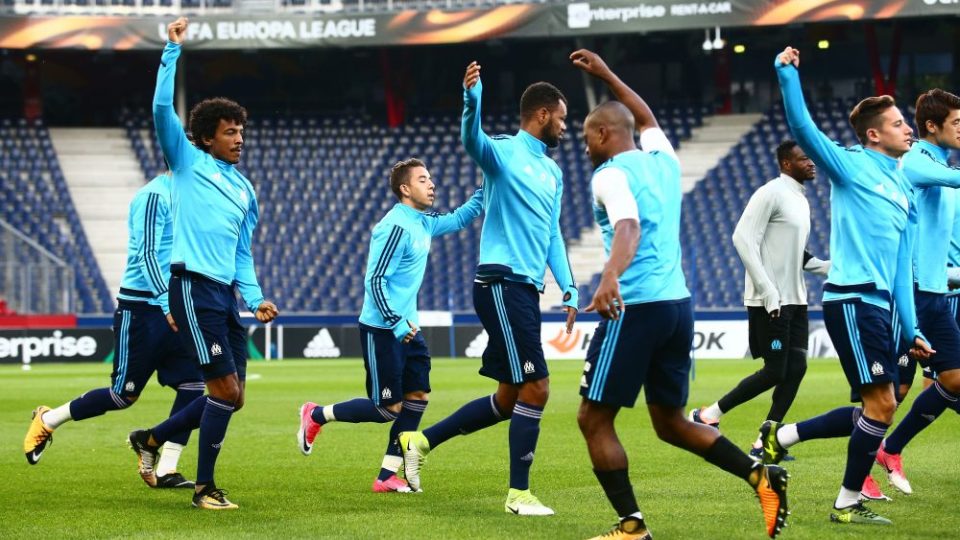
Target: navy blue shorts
{"x": 936, "y": 315}
{"x": 209, "y": 324}
{"x": 510, "y": 313}
{"x": 144, "y": 344}
{"x": 906, "y": 366}
{"x": 862, "y": 334}
{"x": 647, "y": 347}
{"x": 393, "y": 368}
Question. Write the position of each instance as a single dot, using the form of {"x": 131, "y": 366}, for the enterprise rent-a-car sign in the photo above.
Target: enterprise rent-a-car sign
{"x": 73, "y": 345}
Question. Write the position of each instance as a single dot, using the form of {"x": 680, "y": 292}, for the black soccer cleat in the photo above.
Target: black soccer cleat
{"x": 139, "y": 442}
{"x": 174, "y": 480}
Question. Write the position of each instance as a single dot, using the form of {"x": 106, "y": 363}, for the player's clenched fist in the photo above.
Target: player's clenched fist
{"x": 790, "y": 56}
{"x": 177, "y": 30}
{"x": 266, "y": 312}
{"x": 472, "y": 75}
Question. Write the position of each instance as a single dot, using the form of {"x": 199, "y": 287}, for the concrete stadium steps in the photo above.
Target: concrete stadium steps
{"x": 102, "y": 174}
{"x": 704, "y": 149}
{"x": 709, "y": 143}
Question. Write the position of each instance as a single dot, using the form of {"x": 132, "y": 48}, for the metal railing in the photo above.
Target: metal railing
{"x": 33, "y": 280}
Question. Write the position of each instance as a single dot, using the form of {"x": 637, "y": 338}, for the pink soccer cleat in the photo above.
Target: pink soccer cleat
{"x": 394, "y": 484}
{"x": 308, "y": 428}
{"x": 871, "y": 491}
{"x": 894, "y": 467}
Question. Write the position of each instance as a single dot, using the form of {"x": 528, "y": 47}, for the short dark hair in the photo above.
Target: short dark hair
{"x": 400, "y": 174}
{"x": 935, "y": 105}
{"x": 206, "y": 116}
{"x": 785, "y": 150}
{"x": 539, "y": 95}
{"x": 867, "y": 113}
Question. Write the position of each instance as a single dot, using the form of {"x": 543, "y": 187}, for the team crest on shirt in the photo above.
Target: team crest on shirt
{"x": 243, "y": 194}
{"x": 216, "y": 349}
{"x": 528, "y": 367}
{"x": 903, "y": 361}
{"x": 130, "y": 386}
{"x": 876, "y": 368}
{"x": 386, "y": 394}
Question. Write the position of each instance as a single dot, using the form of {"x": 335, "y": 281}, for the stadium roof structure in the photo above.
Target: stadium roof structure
{"x": 251, "y": 24}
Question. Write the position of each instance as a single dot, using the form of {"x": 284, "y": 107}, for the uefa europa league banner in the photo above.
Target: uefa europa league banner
{"x": 436, "y": 26}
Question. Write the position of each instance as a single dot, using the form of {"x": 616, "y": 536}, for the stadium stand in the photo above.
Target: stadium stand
{"x": 37, "y": 202}
{"x": 321, "y": 184}
{"x": 710, "y": 212}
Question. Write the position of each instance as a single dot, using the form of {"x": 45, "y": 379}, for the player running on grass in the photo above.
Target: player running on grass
{"x": 395, "y": 354}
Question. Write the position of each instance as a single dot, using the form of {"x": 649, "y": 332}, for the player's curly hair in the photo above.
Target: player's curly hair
{"x": 866, "y": 115}
{"x": 206, "y": 116}
{"x": 540, "y": 95}
{"x": 934, "y": 105}
{"x": 400, "y": 174}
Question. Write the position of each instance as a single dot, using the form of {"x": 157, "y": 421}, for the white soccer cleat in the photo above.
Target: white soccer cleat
{"x": 524, "y": 503}
{"x": 415, "y": 448}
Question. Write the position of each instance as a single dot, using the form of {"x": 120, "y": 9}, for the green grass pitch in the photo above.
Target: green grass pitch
{"x": 86, "y": 486}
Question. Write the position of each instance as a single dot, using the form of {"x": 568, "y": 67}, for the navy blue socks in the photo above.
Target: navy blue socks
{"x": 474, "y": 416}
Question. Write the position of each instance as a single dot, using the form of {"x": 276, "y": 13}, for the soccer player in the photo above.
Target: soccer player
{"x": 873, "y": 224}
{"x": 770, "y": 239}
{"x": 144, "y": 340}
{"x": 522, "y": 187}
{"x": 646, "y": 334}
{"x": 214, "y": 214}
{"x": 925, "y": 165}
{"x": 395, "y": 354}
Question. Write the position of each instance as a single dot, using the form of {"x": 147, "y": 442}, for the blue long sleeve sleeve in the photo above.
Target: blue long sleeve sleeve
{"x": 459, "y": 218}
{"x": 924, "y": 169}
{"x": 478, "y": 144}
{"x": 246, "y": 276}
{"x": 387, "y": 245}
{"x": 557, "y": 258}
{"x": 903, "y": 281}
{"x": 148, "y": 231}
{"x": 826, "y": 153}
{"x": 173, "y": 141}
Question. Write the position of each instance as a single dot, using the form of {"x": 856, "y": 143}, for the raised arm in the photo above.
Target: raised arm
{"x": 459, "y": 218}
{"x": 173, "y": 141}
{"x": 747, "y": 239}
{"x": 825, "y": 153}
{"x": 924, "y": 169}
{"x": 477, "y": 143}
{"x": 387, "y": 244}
{"x": 591, "y": 63}
{"x": 148, "y": 228}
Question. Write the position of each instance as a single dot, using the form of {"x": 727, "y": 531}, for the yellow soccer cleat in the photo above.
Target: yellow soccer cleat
{"x": 212, "y": 498}
{"x": 772, "y": 492}
{"x": 38, "y": 436}
{"x": 630, "y": 528}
